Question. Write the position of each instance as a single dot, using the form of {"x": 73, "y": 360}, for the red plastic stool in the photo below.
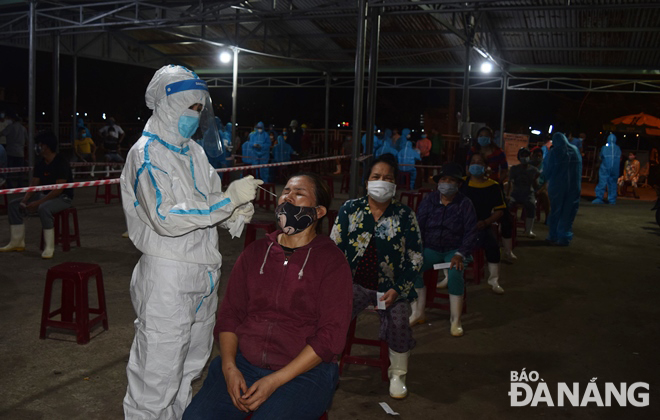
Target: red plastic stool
{"x": 383, "y": 360}
{"x": 476, "y": 268}
{"x": 331, "y": 216}
{"x": 75, "y": 300}
{"x": 345, "y": 182}
{"x": 265, "y": 200}
{"x": 412, "y": 199}
{"x": 520, "y": 223}
{"x": 63, "y": 234}
{"x": 404, "y": 180}
{"x": 424, "y": 191}
{"x": 430, "y": 281}
{"x": 251, "y": 232}
{"x": 107, "y": 194}
{"x": 331, "y": 185}
{"x": 226, "y": 179}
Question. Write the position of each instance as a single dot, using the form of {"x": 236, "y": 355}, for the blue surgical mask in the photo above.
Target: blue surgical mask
{"x": 188, "y": 123}
{"x": 447, "y": 189}
{"x": 476, "y": 169}
{"x": 483, "y": 141}
{"x": 260, "y": 130}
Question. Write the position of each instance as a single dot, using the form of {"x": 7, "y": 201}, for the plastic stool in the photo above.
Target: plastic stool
{"x": 265, "y": 200}
{"x": 430, "y": 281}
{"x": 75, "y": 277}
{"x": 412, "y": 199}
{"x": 331, "y": 185}
{"x": 383, "y": 360}
{"x": 404, "y": 180}
{"x": 520, "y": 223}
{"x": 63, "y": 234}
{"x": 424, "y": 191}
{"x": 476, "y": 268}
{"x": 251, "y": 232}
{"x": 107, "y": 194}
{"x": 331, "y": 216}
{"x": 345, "y": 183}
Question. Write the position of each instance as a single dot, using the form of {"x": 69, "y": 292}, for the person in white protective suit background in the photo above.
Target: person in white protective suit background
{"x": 173, "y": 200}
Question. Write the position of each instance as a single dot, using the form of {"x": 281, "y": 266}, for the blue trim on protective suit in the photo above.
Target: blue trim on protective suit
{"x": 204, "y": 297}
{"x": 203, "y": 212}
{"x": 183, "y": 85}
{"x": 192, "y": 171}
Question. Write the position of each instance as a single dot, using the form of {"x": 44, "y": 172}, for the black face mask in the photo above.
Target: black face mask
{"x": 294, "y": 219}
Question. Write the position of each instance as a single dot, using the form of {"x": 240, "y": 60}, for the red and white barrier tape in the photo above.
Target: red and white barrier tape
{"x": 116, "y": 180}
{"x": 73, "y": 165}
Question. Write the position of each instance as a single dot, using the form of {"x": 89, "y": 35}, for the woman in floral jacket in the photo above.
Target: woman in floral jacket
{"x": 382, "y": 243}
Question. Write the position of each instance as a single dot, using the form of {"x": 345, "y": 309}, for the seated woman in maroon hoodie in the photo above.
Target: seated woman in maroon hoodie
{"x": 283, "y": 320}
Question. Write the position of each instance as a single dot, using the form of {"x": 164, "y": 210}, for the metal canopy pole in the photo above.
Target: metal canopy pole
{"x": 31, "y": 83}
{"x": 56, "y": 85}
{"x": 505, "y": 79}
{"x": 75, "y": 89}
{"x": 234, "y": 93}
{"x": 327, "y": 113}
{"x": 373, "y": 77}
{"x": 357, "y": 95}
{"x": 465, "y": 110}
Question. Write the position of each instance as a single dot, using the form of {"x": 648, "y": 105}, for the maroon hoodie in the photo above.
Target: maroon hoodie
{"x": 277, "y": 307}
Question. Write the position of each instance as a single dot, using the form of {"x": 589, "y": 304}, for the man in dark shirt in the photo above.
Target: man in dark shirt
{"x": 53, "y": 168}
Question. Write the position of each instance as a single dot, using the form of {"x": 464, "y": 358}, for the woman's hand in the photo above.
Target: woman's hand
{"x": 456, "y": 262}
{"x": 389, "y": 297}
{"x": 235, "y": 385}
{"x": 481, "y": 225}
{"x": 259, "y": 392}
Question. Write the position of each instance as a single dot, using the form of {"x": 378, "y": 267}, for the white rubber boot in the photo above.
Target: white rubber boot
{"x": 508, "y": 249}
{"x": 397, "y": 373}
{"x": 418, "y": 315}
{"x": 455, "y": 310}
{"x": 338, "y": 171}
{"x": 494, "y": 278}
{"x": 16, "y": 239}
{"x": 49, "y": 244}
{"x": 529, "y": 224}
{"x": 443, "y": 283}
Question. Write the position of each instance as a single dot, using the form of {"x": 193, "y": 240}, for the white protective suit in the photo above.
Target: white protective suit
{"x": 172, "y": 199}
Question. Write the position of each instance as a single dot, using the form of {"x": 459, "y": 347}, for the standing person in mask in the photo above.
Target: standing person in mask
{"x": 173, "y": 202}
{"x": 407, "y": 158}
{"x": 260, "y": 142}
{"x": 489, "y": 204}
{"x": 405, "y": 136}
{"x": 377, "y": 143}
{"x": 17, "y": 137}
{"x": 284, "y": 318}
{"x": 112, "y": 135}
{"x": 448, "y": 223}
{"x": 53, "y": 168}
{"x": 523, "y": 181}
{"x": 536, "y": 160}
{"x": 281, "y": 153}
{"x": 381, "y": 241}
{"x": 563, "y": 170}
{"x": 608, "y": 173}
{"x": 295, "y": 137}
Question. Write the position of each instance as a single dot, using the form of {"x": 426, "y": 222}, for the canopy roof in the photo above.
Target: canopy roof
{"x": 615, "y": 37}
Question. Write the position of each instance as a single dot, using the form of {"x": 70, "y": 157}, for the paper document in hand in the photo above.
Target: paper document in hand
{"x": 441, "y": 266}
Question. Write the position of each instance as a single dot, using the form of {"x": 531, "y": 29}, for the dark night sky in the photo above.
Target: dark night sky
{"x": 118, "y": 89}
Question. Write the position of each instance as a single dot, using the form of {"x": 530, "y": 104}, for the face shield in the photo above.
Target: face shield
{"x": 207, "y": 134}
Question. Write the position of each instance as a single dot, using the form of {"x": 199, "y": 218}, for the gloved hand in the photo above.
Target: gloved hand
{"x": 243, "y": 190}
{"x": 241, "y": 216}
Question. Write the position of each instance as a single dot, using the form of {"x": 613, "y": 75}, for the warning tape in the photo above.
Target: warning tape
{"x": 116, "y": 180}
{"x": 73, "y": 165}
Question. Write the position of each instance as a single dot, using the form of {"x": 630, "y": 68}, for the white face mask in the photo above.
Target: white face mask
{"x": 381, "y": 191}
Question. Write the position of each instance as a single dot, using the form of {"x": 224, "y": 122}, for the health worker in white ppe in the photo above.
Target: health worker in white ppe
{"x": 173, "y": 201}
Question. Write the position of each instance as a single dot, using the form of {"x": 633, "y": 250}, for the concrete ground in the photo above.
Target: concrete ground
{"x": 571, "y": 314}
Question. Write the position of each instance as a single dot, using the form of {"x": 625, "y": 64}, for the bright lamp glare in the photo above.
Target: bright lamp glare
{"x": 225, "y": 57}
{"x": 550, "y": 129}
{"x": 536, "y": 132}
{"x": 486, "y": 67}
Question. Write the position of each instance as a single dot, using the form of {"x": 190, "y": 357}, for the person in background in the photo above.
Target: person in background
{"x": 81, "y": 124}
{"x": 53, "y": 168}
{"x": 260, "y": 143}
{"x": 3, "y": 164}
{"x": 547, "y": 146}
{"x": 490, "y": 206}
{"x": 536, "y": 160}
{"x": 17, "y": 137}
{"x": 283, "y": 320}
{"x": 4, "y": 122}
{"x": 630, "y": 175}
{"x": 84, "y": 149}
{"x": 295, "y": 137}
{"x": 608, "y": 173}
{"x": 523, "y": 182}
{"x": 497, "y": 169}
{"x": 227, "y": 143}
{"x": 395, "y": 137}
{"x": 387, "y": 145}
{"x": 377, "y": 143}
{"x": 407, "y": 158}
{"x": 381, "y": 240}
{"x": 448, "y": 223}
{"x": 576, "y": 141}
{"x": 112, "y": 136}
{"x": 424, "y": 146}
{"x": 405, "y": 136}
{"x": 562, "y": 169}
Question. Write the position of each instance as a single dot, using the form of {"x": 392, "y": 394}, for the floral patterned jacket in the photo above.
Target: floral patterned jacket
{"x": 398, "y": 240}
